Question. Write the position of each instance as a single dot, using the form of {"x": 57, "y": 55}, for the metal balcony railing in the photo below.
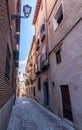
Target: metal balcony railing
{"x": 44, "y": 62}
{"x": 37, "y": 69}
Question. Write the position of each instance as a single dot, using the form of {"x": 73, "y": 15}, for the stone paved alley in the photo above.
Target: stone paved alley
{"x": 27, "y": 114}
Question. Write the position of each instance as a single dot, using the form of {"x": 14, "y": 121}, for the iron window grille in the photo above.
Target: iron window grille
{"x": 7, "y": 68}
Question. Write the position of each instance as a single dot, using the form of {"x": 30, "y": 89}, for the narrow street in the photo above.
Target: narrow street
{"x": 27, "y": 114}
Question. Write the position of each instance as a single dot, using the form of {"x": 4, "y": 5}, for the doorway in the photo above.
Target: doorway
{"x": 46, "y": 94}
{"x": 34, "y": 91}
{"x": 67, "y": 111}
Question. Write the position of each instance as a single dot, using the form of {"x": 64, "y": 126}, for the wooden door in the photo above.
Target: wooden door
{"x": 46, "y": 94}
{"x": 67, "y": 111}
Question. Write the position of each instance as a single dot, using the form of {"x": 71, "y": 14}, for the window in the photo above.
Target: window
{"x": 58, "y": 17}
{"x": 58, "y": 56}
{"x": 43, "y": 28}
{"x": 44, "y": 53}
{"x": 7, "y": 68}
{"x": 39, "y": 83}
{"x": 42, "y": 31}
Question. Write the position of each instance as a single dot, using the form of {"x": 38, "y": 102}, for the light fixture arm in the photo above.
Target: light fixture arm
{"x": 26, "y": 10}
{"x": 15, "y": 16}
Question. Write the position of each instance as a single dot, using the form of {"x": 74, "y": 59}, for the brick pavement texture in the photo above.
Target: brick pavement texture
{"x": 27, "y": 114}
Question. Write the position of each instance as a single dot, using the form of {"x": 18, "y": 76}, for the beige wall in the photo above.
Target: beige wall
{"x": 72, "y": 12}
{"x": 68, "y": 72}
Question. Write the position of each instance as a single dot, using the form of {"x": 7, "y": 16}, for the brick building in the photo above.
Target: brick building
{"x": 58, "y": 30}
{"x": 9, "y": 56}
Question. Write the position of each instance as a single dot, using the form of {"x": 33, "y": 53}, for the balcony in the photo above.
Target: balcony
{"x": 37, "y": 44}
{"x": 44, "y": 62}
{"x": 42, "y": 32}
{"x": 37, "y": 69}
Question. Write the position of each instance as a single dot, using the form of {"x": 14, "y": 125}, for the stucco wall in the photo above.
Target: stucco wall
{"x": 69, "y": 72}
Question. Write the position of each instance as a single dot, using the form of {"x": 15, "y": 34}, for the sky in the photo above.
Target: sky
{"x": 26, "y": 35}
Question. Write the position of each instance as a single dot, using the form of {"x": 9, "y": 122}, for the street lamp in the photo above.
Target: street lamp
{"x": 26, "y": 10}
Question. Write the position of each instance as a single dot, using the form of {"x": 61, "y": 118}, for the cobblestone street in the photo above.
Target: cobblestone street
{"x": 27, "y": 114}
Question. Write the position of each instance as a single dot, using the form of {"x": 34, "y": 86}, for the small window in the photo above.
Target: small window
{"x": 42, "y": 28}
{"x": 58, "y": 56}
{"x": 39, "y": 83}
{"x": 7, "y": 68}
{"x": 58, "y": 17}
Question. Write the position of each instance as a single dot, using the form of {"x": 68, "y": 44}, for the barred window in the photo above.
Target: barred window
{"x": 7, "y": 67}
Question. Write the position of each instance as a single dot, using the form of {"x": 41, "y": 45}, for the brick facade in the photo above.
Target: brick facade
{"x": 7, "y": 63}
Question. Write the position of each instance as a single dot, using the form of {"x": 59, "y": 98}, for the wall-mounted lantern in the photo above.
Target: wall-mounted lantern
{"x": 26, "y": 10}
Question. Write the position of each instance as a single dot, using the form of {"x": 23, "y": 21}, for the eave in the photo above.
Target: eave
{"x": 36, "y": 11}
